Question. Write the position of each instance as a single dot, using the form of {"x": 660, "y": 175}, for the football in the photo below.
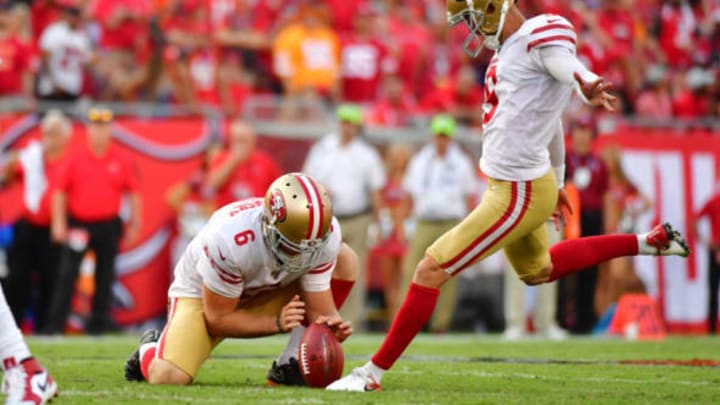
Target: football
{"x": 320, "y": 356}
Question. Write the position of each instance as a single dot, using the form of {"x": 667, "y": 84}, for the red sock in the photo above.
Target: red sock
{"x": 413, "y": 314}
{"x": 340, "y": 290}
{"x": 571, "y": 256}
{"x": 146, "y": 357}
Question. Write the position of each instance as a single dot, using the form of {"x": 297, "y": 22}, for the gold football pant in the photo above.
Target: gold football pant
{"x": 185, "y": 341}
{"x": 510, "y": 216}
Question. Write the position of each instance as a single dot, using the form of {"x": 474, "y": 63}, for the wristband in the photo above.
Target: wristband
{"x": 279, "y": 325}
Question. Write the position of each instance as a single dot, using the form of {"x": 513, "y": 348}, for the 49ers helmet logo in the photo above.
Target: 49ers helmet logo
{"x": 277, "y": 206}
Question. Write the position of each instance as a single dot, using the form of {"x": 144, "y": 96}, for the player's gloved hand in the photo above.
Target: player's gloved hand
{"x": 597, "y": 92}
{"x": 291, "y": 315}
{"x": 341, "y": 329}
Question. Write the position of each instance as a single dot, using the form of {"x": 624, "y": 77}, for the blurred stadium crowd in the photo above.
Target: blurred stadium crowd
{"x": 394, "y": 56}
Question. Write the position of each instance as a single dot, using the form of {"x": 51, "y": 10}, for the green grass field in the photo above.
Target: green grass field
{"x": 453, "y": 369}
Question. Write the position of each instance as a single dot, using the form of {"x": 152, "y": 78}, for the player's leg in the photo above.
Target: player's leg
{"x": 713, "y": 285}
{"x": 571, "y": 256}
{"x": 59, "y": 307}
{"x": 105, "y": 238}
{"x": 48, "y": 266}
{"x": 174, "y": 356}
{"x": 508, "y": 211}
{"x": 24, "y": 380}
{"x": 286, "y": 370}
{"x": 20, "y": 257}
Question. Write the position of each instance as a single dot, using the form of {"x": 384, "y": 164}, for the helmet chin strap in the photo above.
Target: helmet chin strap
{"x": 493, "y": 42}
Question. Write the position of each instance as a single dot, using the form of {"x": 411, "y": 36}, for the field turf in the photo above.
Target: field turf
{"x": 452, "y": 369}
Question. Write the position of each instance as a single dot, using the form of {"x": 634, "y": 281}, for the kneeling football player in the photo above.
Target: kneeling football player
{"x": 259, "y": 267}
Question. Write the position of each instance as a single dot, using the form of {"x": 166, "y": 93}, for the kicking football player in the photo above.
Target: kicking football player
{"x": 25, "y": 381}
{"x": 528, "y": 85}
{"x": 259, "y": 267}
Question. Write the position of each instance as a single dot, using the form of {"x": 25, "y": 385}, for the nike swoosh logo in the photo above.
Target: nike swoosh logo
{"x": 43, "y": 386}
{"x": 221, "y": 255}
{"x": 552, "y": 20}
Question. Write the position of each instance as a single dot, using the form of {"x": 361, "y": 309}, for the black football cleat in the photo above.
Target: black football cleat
{"x": 285, "y": 374}
{"x": 133, "y": 372}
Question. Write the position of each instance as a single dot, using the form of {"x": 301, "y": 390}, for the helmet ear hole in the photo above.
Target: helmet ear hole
{"x": 490, "y": 9}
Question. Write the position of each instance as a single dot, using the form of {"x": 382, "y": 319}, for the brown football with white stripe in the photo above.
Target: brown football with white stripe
{"x": 320, "y": 356}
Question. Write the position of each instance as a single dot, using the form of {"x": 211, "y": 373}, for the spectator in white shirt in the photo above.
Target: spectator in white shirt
{"x": 442, "y": 182}
{"x": 65, "y": 50}
{"x": 353, "y": 173}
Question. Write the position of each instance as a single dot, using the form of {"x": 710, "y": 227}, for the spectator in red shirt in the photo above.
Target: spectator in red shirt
{"x": 677, "y": 30}
{"x": 396, "y": 107}
{"x": 408, "y": 38}
{"x": 462, "y": 98}
{"x": 616, "y": 23}
{"x": 187, "y": 31}
{"x": 344, "y": 13}
{"x": 587, "y": 171}
{"x": 711, "y": 210}
{"x": 364, "y": 58}
{"x": 241, "y": 171}
{"x": 655, "y": 102}
{"x": 694, "y": 100}
{"x": 33, "y": 255}
{"x": 125, "y": 46}
{"x": 85, "y": 215}
{"x": 243, "y": 36}
{"x": 15, "y": 56}
{"x": 42, "y": 14}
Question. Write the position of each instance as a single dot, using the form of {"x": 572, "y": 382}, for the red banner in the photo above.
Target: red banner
{"x": 165, "y": 152}
{"x": 678, "y": 172}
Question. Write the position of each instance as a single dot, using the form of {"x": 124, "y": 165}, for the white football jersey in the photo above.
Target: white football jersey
{"x": 230, "y": 257}
{"x": 69, "y": 50}
{"x": 523, "y": 102}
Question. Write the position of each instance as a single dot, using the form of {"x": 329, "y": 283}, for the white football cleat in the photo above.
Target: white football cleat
{"x": 28, "y": 384}
{"x": 555, "y": 333}
{"x": 666, "y": 241}
{"x": 359, "y": 380}
{"x": 513, "y": 333}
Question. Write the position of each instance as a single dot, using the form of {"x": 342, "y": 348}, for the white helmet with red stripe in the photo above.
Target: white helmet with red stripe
{"x": 296, "y": 220}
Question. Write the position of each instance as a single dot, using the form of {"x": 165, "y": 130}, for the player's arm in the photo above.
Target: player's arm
{"x": 135, "y": 221}
{"x": 221, "y": 173}
{"x": 225, "y": 319}
{"x": 321, "y": 309}
{"x": 564, "y": 66}
{"x": 318, "y": 296}
{"x": 59, "y": 224}
{"x": 8, "y": 164}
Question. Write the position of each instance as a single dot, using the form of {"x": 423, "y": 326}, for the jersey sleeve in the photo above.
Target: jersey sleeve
{"x": 219, "y": 272}
{"x": 47, "y": 38}
{"x": 556, "y": 31}
{"x": 318, "y": 277}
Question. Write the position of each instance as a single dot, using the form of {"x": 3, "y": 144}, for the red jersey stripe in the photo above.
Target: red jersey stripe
{"x": 321, "y": 269}
{"x": 552, "y": 27}
{"x": 552, "y": 38}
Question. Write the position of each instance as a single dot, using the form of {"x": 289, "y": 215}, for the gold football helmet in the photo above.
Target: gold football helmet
{"x": 296, "y": 220}
{"x": 484, "y": 18}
